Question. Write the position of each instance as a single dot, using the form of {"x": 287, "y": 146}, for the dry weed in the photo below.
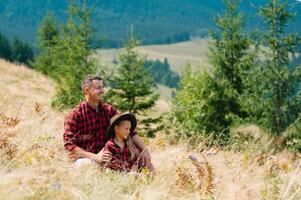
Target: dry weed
{"x": 9, "y": 121}
{"x": 205, "y": 174}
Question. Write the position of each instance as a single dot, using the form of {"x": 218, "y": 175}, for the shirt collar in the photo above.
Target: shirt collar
{"x": 91, "y": 107}
{"x": 116, "y": 145}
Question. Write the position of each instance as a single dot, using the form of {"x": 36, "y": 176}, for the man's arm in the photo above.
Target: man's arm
{"x": 80, "y": 153}
{"x": 146, "y": 158}
{"x": 138, "y": 142}
{"x": 71, "y": 133}
{"x": 102, "y": 156}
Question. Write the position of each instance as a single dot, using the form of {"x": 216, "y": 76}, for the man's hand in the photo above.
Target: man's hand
{"x": 146, "y": 159}
{"x": 103, "y": 156}
{"x": 72, "y": 155}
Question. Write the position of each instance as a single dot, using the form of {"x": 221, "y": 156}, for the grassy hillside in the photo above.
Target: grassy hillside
{"x": 33, "y": 164}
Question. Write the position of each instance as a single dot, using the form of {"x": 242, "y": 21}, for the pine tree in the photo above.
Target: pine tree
{"x": 209, "y": 102}
{"x": 132, "y": 85}
{"x": 5, "y": 49}
{"x": 48, "y": 32}
{"x": 21, "y": 52}
{"x": 47, "y": 39}
{"x": 72, "y": 54}
{"x": 274, "y": 85}
{"x": 198, "y": 106}
{"x": 230, "y": 57}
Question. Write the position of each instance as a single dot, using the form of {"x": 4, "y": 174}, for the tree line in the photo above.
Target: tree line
{"x": 162, "y": 73}
{"x": 17, "y": 51}
{"x": 155, "y": 22}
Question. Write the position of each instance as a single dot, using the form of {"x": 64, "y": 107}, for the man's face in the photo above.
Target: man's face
{"x": 95, "y": 90}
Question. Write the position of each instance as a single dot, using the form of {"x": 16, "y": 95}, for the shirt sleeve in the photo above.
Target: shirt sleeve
{"x": 113, "y": 111}
{"x": 134, "y": 133}
{"x": 107, "y": 147}
{"x": 71, "y": 131}
{"x": 112, "y": 164}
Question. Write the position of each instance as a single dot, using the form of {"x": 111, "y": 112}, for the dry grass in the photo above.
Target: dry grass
{"x": 33, "y": 164}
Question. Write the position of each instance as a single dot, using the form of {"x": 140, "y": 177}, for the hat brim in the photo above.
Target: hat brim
{"x": 125, "y": 117}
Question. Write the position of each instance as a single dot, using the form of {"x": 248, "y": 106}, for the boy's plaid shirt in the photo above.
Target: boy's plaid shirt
{"x": 121, "y": 158}
{"x": 86, "y": 127}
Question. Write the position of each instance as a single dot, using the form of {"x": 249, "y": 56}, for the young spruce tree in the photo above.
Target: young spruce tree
{"x": 274, "y": 97}
{"x": 209, "y": 101}
{"x": 72, "y": 54}
{"x": 48, "y": 34}
{"x": 132, "y": 86}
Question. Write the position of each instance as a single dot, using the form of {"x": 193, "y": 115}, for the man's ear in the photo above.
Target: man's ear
{"x": 86, "y": 89}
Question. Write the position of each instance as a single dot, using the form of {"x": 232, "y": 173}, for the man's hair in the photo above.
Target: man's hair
{"x": 88, "y": 80}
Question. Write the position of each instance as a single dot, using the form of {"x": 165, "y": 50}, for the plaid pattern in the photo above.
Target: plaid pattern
{"x": 86, "y": 127}
{"x": 121, "y": 158}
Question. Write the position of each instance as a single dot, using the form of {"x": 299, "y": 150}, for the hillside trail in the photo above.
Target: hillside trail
{"x": 34, "y": 164}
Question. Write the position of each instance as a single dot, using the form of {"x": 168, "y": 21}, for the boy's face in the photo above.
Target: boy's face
{"x": 123, "y": 130}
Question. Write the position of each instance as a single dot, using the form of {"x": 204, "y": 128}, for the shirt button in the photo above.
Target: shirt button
{"x": 90, "y": 147}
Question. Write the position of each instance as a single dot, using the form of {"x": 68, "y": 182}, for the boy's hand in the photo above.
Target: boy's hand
{"x": 103, "y": 156}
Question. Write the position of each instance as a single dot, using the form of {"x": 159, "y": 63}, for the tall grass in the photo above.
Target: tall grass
{"x": 33, "y": 164}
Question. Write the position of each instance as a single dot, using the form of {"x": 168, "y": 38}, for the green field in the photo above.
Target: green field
{"x": 178, "y": 54}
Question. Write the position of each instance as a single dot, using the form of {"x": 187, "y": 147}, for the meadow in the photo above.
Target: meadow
{"x": 34, "y": 165}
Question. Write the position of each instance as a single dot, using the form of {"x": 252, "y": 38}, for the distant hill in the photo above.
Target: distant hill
{"x": 178, "y": 55}
{"x": 154, "y": 21}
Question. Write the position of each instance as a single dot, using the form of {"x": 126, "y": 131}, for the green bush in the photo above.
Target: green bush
{"x": 199, "y": 106}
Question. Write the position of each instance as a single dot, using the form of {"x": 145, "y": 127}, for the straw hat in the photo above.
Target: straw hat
{"x": 118, "y": 118}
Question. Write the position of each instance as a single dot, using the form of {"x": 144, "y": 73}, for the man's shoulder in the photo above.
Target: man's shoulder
{"x": 108, "y": 107}
{"x": 77, "y": 110}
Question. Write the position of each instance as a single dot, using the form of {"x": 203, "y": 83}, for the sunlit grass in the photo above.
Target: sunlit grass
{"x": 33, "y": 164}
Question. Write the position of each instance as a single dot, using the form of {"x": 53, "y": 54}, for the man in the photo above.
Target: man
{"x": 86, "y": 125}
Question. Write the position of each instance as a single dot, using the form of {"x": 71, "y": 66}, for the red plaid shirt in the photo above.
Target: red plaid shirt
{"x": 86, "y": 127}
{"x": 121, "y": 158}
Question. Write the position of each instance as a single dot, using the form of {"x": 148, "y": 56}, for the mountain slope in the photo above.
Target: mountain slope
{"x": 154, "y": 21}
